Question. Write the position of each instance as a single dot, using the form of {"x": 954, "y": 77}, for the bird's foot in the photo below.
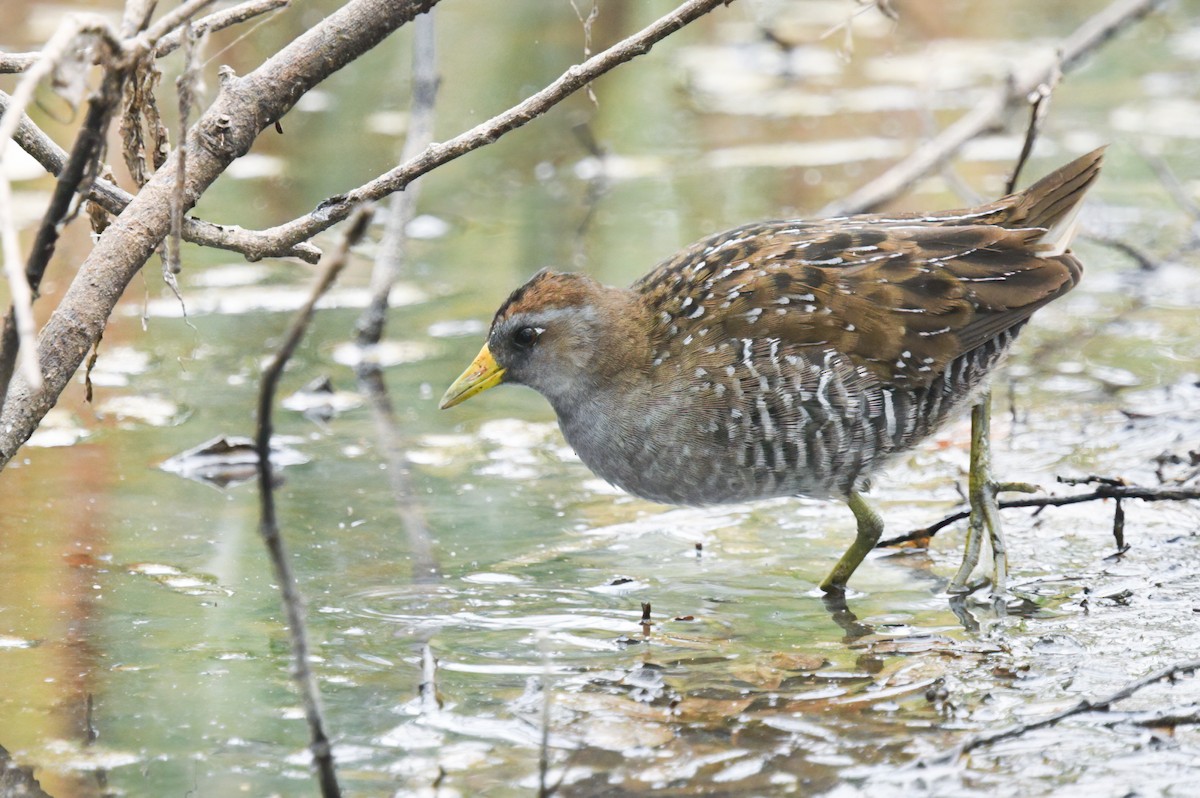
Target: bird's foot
{"x": 985, "y": 510}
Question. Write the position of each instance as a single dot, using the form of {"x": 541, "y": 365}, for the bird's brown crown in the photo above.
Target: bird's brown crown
{"x": 547, "y": 289}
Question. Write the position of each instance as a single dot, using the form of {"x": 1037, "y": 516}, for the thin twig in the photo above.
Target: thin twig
{"x": 1039, "y": 100}
{"x": 545, "y": 788}
{"x": 1101, "y": 704}
{"x": 427, "y": 691}
{"x": 175, "y": 18}
{"x": 60, "y": 47}
{"x": 994, "y": 110}
{"x": 393, "y": 248}
{"x": 135, "y": 18}
{"x": 1170, "y": 182}
{"x": 336, "y": 208}
{"x": 1146, "y": 262}
{"x": 219, "y": 20}
{"x": 187, "y": 86}
{"x": 1102, "y": 491}
{"x": 322, "y": 751}
{"x": 13, "y": 63}
{"x": 82, "y": 163}
{"x": 587, "y": 23}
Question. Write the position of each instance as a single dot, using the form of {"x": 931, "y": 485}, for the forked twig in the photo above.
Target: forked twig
{"x": 1104, "y": 490}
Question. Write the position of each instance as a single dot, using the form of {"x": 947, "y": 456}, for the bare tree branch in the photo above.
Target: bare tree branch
{"x": 577, "y": 77}
{"x": 219, "y": 20}
{"x": 244, "y": 107}
{"x": 994, "y": 110}
{"x": 391, "y": 256}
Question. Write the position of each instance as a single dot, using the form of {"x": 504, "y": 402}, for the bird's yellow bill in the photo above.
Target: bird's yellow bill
{"x": 483, "y": 373}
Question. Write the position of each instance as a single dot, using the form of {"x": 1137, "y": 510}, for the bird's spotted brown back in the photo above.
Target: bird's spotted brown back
{"x": 902, "y": 296}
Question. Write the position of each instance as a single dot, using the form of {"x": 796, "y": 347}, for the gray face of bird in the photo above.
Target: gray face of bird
{"x": 547, "y": 349}
{"x": 568, "y": 337}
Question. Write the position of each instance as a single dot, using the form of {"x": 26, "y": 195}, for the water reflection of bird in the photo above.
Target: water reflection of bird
{"x": 787, "y": 358}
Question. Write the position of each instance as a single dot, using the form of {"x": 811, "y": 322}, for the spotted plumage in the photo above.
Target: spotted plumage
{"x": 787, "y": 357}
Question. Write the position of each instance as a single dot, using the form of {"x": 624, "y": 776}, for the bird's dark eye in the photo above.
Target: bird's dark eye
{"x": 525, "y": 336}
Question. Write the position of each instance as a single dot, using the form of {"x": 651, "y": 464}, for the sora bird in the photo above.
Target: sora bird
{"x": 787, "y": 358}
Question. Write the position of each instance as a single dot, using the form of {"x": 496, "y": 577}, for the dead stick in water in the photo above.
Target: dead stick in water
{"x": 293, "y": 603}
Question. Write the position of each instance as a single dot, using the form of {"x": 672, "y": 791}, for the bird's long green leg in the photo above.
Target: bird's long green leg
{"x": 870, "y": 528}
{"x": 985, "y": 512}
{"x": 977, "y": 483}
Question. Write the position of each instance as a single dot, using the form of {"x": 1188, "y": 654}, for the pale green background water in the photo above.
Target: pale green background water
{"x": 152, "y": 594}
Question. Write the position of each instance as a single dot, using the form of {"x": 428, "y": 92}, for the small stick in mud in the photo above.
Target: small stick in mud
{"x": 1102, "y": 704}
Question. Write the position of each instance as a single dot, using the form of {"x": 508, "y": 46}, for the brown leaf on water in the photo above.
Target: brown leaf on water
{"x": 608, "y": 708}
{"x": 622, "y": 734}
{"x": 769, "y": 671}
{"x": 614, "y": 706}
{"x": 710, "y": 710}
{"x": 796, "y": 661}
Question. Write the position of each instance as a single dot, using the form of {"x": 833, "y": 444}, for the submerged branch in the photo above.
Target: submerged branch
{"x": 412, "y": 515}
{"x": 293, "y": 603}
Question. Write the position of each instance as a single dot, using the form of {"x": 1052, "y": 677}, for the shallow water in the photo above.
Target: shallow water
{"x": 150, "y": 593}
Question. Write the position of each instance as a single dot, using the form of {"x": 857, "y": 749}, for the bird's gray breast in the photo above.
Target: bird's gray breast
{"x": 727, "y": 435}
